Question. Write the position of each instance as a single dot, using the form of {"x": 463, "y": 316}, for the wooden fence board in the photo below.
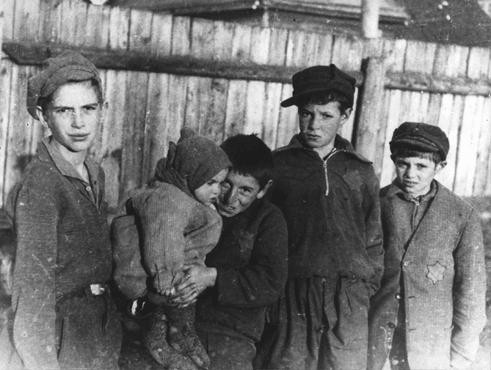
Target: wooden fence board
{"x": 235, "y": 112}
{"x": 181, "y": 35}
{"x": 450, "y": 118}
{"x": 483, "y": 150}
{"x": 324, "y": 53}
{"x": 393, "y": 121}
{"x": 176, "y": 107}
{"x": 161, "y": 34}
{"x": 19, "y": 131}
{"x": 155, "y": 131}
{"x": 467, "y": 145}
{"x": 288, "y": 121}
{"x": 133, "y": 133}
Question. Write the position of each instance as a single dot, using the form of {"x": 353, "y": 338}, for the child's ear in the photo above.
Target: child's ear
{"x": 41, "y": 117}
{"x": 264, "y": 190}
{"x": 440, "y": 166}
{"x": 347, "y": 113}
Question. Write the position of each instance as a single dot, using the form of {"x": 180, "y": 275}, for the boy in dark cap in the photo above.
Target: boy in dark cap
{"x": 429, "y": 310}
{"x": 329, "y": 196}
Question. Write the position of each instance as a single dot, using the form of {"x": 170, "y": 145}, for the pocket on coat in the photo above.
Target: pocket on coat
{"x": 352, "y": 301}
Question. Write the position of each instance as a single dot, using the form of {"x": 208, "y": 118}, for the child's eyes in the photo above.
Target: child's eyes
{"x": 62, "y": 110}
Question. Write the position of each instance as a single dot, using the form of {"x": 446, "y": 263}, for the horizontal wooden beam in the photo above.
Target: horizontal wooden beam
{"x": 26, "y": 53}
{"x": 416, "y": 81}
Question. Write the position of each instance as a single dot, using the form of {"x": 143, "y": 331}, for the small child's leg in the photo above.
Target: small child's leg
{"x": 182, "y": 335}
{"x": 156, "y": 343}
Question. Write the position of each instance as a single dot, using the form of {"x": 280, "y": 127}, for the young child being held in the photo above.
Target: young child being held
{"x": 179, "y": 225}
{"x": 429, "y": 310}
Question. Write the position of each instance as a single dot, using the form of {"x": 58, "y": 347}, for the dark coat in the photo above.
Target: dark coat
{"x": 444, "y": 284}
{"x": 62, "y": 247}
{"x": 332, "y": 211}
{"x": 338, "y": 234}
{"x": 251, "y": 263}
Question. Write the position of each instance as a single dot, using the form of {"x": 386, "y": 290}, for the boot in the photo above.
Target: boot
{"x": 181, "y": 335}
{"x": 154, "y": 339}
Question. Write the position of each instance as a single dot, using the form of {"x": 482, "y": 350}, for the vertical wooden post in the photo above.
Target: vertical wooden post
{"x": 1, "y": 24}
{"x": 369, "y": 18}
{"x": 371, "y": 105}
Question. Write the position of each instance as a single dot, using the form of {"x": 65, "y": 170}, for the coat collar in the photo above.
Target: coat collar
{"x": 395, "y": 190}
{"x": 442, "y": 204}
{"x": 49, "y": 153}
{"x": 341, "y": 144}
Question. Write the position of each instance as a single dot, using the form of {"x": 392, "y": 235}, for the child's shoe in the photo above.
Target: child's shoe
{"x": 181, "y": 335}
{"x": 155, "y": 341}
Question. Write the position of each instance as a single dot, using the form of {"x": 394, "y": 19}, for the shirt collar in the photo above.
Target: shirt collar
{"x": 396, "y": 190}
{"x": 48, "y": 151}
{"x": 340, "y": 144}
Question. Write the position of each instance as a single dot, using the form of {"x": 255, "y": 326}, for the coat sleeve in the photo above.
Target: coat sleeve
{"x": 33, "y": 299}
{"x": 469, "y": 294}
{"x": 373, "y": 232}
{"x": 261, "y": 281}
{"x": 162, "y": 220}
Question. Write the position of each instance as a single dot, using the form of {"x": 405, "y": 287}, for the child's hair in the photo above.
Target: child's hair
{"x": 43, "y": 102}
{"x": 325, "y": 97}
{"x": 407, "y": 151}
{"x": 250, "y": 156}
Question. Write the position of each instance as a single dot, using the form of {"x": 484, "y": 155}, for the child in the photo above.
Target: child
{"x": 329, "y": 195}
{"x": 429, "y": 310}
{"x": 180, "y": 226}
{"x": 247, "y": 270}
{"x": 64, "y": 316}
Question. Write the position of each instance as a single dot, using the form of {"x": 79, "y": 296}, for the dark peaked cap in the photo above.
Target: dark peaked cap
{"x": 321, "y": 78}
{"x": 422, "y": 136}
{"x": 68, "y": 66}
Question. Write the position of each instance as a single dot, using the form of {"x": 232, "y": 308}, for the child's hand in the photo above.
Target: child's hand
{"x": 196, "y": 279}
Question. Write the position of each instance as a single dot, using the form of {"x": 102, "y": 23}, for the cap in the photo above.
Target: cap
{"x": 422, "y": 136}
{"x": 68, "y": 66}
{"x": 321, "y": 78}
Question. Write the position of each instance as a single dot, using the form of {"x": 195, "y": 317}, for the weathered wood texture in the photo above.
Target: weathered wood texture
{"x": 148, "y": 107}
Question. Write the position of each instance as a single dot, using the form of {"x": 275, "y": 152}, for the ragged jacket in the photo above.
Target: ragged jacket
{"x": 444, "y": 284}
{"x": 251, "y": 263}
{"x": 62, "y": 247}
{"x": 332, "y": 212}
{"x": 176, "y": 229}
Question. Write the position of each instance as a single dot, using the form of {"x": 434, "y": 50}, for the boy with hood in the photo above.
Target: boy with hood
{"x": 430, "y": 308}
{"x": 179, "y": 225}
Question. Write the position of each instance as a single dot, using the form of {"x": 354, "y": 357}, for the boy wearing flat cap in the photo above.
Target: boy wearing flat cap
{"x": 64, "y": 316}
{"x": 429, "y": 310}
{"x": 329, "y": 196}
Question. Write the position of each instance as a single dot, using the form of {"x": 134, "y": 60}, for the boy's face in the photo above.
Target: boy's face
{"x": 238, "y": 193}
{"x": 319, "y": 123}
{"x": 208, "y": 192}
{"x": 414, "y": 174}
{"x": 73, "y": 116}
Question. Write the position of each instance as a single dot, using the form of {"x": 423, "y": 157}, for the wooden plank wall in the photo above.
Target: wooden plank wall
{"x": 146, "y": 110}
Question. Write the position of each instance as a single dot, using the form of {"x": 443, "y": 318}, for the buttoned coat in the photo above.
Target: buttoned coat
{"x": 444, "y": 283}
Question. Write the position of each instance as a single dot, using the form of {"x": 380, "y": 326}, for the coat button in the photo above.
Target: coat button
{"x": 391, "y": 325}
{"x": 405, "y": 263}
{"x": 398, "y": 296}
